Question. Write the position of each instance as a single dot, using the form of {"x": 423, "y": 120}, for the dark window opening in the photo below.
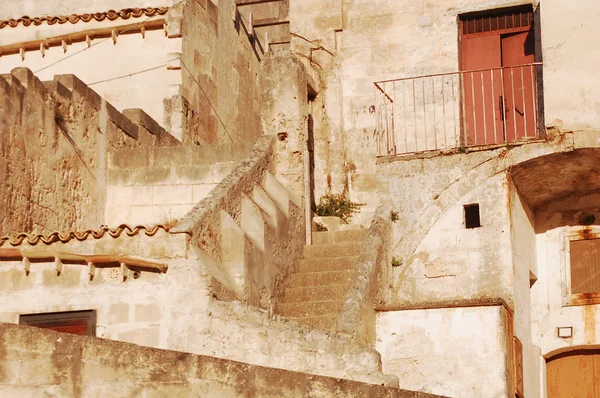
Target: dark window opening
{"x": 472, "y": 218}
{"x": 82, "y": 323}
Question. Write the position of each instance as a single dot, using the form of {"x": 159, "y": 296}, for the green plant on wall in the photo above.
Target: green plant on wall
{"x": 338, "y": 205}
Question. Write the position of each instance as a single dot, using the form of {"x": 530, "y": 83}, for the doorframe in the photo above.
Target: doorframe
{"x": 535, "y": 27}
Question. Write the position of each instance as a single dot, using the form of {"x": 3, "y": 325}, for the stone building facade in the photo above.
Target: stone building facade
{"x": 162, "y": 163}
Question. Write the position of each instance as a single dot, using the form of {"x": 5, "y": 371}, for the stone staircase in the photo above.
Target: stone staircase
{"x": 317, "y": 290}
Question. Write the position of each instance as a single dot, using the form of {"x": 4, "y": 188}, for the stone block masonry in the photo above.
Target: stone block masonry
{"x": 40, "y": 362}
{"x": 54, "y": 146}
{"x": 160, "y": 185}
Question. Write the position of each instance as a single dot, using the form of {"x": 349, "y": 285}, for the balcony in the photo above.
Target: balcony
{"x": 460, "y": 109}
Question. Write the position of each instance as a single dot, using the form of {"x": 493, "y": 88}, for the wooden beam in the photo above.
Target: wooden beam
{"x": 260, "y": 23}
{"x": 84, "y": 35}
{"x": 241, "y": 3}
{"x": 91, "y": 260}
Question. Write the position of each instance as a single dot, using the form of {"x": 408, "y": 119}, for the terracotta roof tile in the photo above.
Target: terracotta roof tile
{"x": 111, "y": 15}
{"x": 21, "y": 238}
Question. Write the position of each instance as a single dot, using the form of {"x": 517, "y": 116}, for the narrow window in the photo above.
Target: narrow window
{"x": 585, "y": 266}
{"x": 82, "y": 323}
{"x": 472, "y": 218}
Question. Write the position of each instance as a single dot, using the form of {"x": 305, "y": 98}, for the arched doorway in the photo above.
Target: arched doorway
{"x": 574, "y": 374}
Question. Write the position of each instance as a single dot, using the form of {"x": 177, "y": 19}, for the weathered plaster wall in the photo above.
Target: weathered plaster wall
{"x": 345, "y": 30}
{"x": 177, "y": 310}
{"x": 140, "y": 311}
{"x": 39, "y": 362}
{"x": 149, "y": 186}
{"x": 446, "y": 261}
{"x": 571, "y": 85}
{"x": 455, "y": 352}
{"x": 549, "y": 308}
{"x": 525, "y": 266}
{"x": 104, "y": 66}
{"x": 55, "y": 139}
{"x": 429, "y": 191}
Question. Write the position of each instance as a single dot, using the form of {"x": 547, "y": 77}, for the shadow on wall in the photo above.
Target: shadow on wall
{"x": 563, "y": 189}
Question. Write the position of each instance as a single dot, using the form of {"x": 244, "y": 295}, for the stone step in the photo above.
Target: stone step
{"x": 355, "y": 236}
{"x": 332, "y": 250}
{"x": 325, "y": 322}
{"x": 311, "y": 279}
{"x": 317, "y": 308}
{"x": 328, "y": 264}
{"x": 319, "y": 293}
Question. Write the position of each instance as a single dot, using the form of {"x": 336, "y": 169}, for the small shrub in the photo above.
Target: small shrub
{"x": 396, "y": 262}
{"x": 338, "y": 206}
{"x": 394, "y": 216}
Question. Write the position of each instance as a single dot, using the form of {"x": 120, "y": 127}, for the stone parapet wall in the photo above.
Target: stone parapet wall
{"x": 249, "y": 230}
{"x": 36, "y": 362}
{"x": 357, "y": 317}
{"x": 54, "y": 143}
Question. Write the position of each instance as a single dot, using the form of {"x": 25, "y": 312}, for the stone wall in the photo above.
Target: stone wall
{"x": 161, "y": 185}
{"x": 176, "y": 310}
{"x": 55, "y": 139}
{"x": 138, "y": 310}
{"x": 525, "y": 265}
{"x": 455, "y": 352}
{"x": 438, "y": 258}
{"x": 358, "y": 317}
{"x": 570, "y": 85}
{"x": 35, "y": 362}
{"x": 249, "y": 230}
{"x": 336, "y": 38}
{"x": 220, "y": 72}
{"x": 523, "y": 236}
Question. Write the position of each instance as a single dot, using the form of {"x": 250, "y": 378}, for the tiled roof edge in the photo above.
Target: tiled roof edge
{"x": 111, "y": 15}
{"x": 21, "y": 238}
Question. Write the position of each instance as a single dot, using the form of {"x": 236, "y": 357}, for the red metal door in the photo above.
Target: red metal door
{"x": 519, "y": 85}
{"x": 482, "y": 89}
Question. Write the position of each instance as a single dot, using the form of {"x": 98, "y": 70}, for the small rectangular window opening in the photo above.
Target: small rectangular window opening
{"x": 472, "y": 218}
{"x": 82, "y": 323}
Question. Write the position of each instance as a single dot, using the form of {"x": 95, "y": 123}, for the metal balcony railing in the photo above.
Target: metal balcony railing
{"x": 459, "y": 109}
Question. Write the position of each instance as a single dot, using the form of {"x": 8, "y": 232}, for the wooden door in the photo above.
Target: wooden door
{"x": 574, "y": 375}
{"x": 482, "y": 89}
{"x": 519, "y": 85}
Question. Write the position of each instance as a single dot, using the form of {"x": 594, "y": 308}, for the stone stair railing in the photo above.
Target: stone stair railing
{"x": 357, "y": 316}
{"x": 248, "y": 231}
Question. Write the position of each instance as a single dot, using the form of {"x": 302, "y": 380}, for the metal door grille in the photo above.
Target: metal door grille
{"x": 515, "y": 20}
